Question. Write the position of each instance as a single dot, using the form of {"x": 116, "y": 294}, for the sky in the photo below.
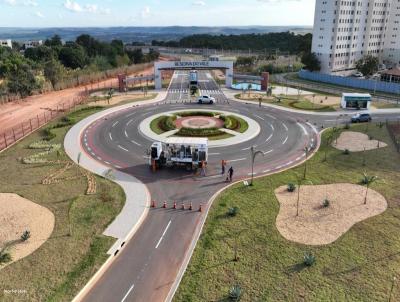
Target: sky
{"x": 101, "y": 13}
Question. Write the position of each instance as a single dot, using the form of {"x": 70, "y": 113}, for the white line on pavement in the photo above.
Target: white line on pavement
{"x": 234, "y": 160}
{"x": 248, "y": 148}
{"x": 119, "y": 146}
{"x": 135, "y": 143}
{"x": 267, "y": 152}
{"x": 273, "y": 117}
{"x": 261, "y": 118}
{"x": 115, "y": 124}
{"x": 286, "y": 139}
{"x": 165, "y": 231}
{"x": 269, "y": 137}
{"x": 110, "y": 136}
{"x": 126, "y": 134}
{"x": 303, "y": 128}
{"x": 286, "y": 128}
{"x": 130, "y": 122}
{"x": 267, "y": 171}
{"x": 127, "y": 294}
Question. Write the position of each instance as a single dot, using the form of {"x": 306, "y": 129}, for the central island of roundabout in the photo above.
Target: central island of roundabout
{"x": 222, "y": 128}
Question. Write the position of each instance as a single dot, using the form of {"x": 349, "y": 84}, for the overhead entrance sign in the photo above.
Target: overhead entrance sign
{"x": 185, "y": 65}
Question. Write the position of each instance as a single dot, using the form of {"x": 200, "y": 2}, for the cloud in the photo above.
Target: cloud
{"x": 198, "y": 3}
{"x": 39, "y": 14}
{"x": 30, "y": 3}
{"x": 75, "y": 7}
{"x": 146, "y": 12}
{"x": 10, "y": 2}
{"x": 21, "y": 2}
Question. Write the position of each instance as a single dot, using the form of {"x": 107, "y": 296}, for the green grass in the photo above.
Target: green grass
{"x": 65, "y": 262}
{"x": 359, "y": 266}
{"x": 290, "y": 102}
{"x": 163, "y": 124}
{"x": 385, "y": 105}
{"x": 211, "y": 133}
{"x": 235, "y": 123}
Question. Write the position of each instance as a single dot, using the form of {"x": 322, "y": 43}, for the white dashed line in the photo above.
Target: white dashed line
{"x": 162, "y": 236}
{"x": 303, "y": 128}
{"x": 261, "y": 118}
{"x": 129, "y": 122}
{"x": 286, "y": 139}
{"x": 270, "y": 116}
{"x": 268, "y": 152}
{"x": 248, "y": 148}
{"x": 119, "y": 146}
{"x": 106, "y": 162}
{"x": 110, "y": 136}
{"x": 269, "y": 137}
{"x": 126, "y": 134}
{"x": 284, "y": 126}
{"x": 127, "y": 294}
{"x": 234, "y": 160}
{"x": 267, "y": 171}
{"x": 135, "y": 143}
{"x": 115, "y": 124}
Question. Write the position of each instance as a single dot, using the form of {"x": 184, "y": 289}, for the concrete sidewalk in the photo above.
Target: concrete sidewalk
{"x": 230, "y": 94}
{"x": 137, "y": 195}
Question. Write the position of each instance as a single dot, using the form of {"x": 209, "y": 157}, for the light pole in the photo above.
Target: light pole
{"x": 253, "y": 157}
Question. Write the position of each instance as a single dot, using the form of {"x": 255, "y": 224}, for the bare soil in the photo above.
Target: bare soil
{"x": 324, "y": 100}
{"x": 318, "y": 225}
{"x": 17, "y": 215}
{"x": 122, "y": 98}
{"x": 356, "y": 142}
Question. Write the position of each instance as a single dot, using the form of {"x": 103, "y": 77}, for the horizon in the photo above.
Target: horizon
{"x": 154, "y": 13}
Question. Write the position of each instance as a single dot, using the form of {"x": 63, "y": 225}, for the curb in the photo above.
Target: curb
{"x": 200, "y": 227}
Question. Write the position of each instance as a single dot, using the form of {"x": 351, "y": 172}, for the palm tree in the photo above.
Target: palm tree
{"x": 253, "y": 157}
{"x": 110, "y": 95}
{"x": 249, "y": 86}
{"x": 367, "y": 181}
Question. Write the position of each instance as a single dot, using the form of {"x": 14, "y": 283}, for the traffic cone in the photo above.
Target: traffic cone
{"x": 165, "y": 205}
{"x": 183, "y": 206}
{"x": 174, "y": 205}
{"x": 191, "y": 207}
{"x": 153, "y": 204}
{"x": 201, "y": 208}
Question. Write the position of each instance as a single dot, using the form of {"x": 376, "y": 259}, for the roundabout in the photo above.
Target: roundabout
{"x": 118, "y": 140}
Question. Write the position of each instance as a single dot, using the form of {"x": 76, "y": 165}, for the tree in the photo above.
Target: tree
{"x": 73, "y": 57}
{"x": 21, "y": 80}
{"x": 311, "y": 61}
{"x": 110, "y": 95}
{"x": 40, "y": 54}
{"x": 53, "y": 71}
{"x": 368, "y": 65}
{"x": 368, "y": 180}
{"x": 54, "y": 41}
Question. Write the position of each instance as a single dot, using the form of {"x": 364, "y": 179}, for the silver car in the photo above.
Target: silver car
{"x": 206, "y": 99}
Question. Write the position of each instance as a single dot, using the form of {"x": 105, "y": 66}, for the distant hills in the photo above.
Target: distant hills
{"x": 139, "y": 34}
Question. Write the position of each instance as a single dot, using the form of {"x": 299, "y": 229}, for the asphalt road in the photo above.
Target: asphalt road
{"x": 147, "y": 266}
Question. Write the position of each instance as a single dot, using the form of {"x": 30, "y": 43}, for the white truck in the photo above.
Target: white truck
{"x": 189, "y": 152}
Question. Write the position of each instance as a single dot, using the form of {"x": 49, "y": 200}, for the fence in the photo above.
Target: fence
{"x": 371, "y": 85}
{"x": 394, "y": 132}
{"x": 26, "y": 127}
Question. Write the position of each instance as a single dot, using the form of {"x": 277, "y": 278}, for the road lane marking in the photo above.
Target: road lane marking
{"x": 269, "y": 137}
{"x": 286, "y": 128}
{"x": 162, "y": 236}
{"x": 127, "y": 294}
{"x": 130, "y": 122}
{"x": 119, "y": 146}
{"x": 261, "y": 118}
{"x": 267, "y": 171}
{"x": 274, "y": 118}
{"x": 115, "y": 124}
{"x": 267, "y": 152}
{"x": 110, "y": 136}
{"x": 248, "y": 148}
{"x": 234, "y": 160}
{"x": 303, "y": 128}
{"x": 126, "y": 134}
{"x": 286, "y": 139}
{"x": 136, "y": 143}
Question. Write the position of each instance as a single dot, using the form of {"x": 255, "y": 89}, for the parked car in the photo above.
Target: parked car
{"x": 361, "y": 118}
{"x": 358, "y": 75}
{"x": 206, "y": 99}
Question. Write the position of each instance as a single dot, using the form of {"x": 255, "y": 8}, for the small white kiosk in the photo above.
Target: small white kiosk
{"x": 356, "y": 101}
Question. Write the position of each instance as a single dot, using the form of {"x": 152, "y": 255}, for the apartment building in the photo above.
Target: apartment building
{"x": 6, "y": 43}
{"x": 345, "y": 31}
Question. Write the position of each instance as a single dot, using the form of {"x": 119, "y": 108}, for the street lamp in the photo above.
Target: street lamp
{"x": 254, "y": 153}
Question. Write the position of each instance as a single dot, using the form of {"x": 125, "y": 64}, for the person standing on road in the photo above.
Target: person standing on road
{"x": 223, "y": 164}
{"x": 203, "y": 168}
{"x": 230, "y": 172}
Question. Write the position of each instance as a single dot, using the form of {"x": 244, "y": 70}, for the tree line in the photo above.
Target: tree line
{"x": 284, "y": 41}
{"x": 26, "y": 71}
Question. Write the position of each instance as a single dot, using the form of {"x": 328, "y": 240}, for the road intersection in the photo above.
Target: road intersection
{"x": 147, "y": 267}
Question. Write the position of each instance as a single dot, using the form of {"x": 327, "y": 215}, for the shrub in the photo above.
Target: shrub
{"x": 309, "y": 259}
{"x": 25, "y": 236}
{"x": 206, "y": 132}
{"x": 346, "y": 152}
{"x": 196, "y": 113}
{"x": 167, "y": 123}
{"x": 233, "y": 211}
{"x": 48, "y": 134}
{"x": 291, "y": 187}
{"x": 347, "y": 126}
{"x": 326, "y": 203}
{"x": 5, "y": 257}
{"x": 235, "y": 292}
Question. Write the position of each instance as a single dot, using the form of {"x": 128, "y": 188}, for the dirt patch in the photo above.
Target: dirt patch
{"x": 199, "y": 122}
{"x": 318, "y": 225}
{"x": 356, "y": 142}
{"x": 324, "y": 100}
{"x": 17, "y": 215}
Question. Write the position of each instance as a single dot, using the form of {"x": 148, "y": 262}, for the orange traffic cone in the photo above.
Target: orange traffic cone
{"x": 153, "y": 204}
{"x": 183, "y": 206}
{"x": 191, "y": 207}
{"x": 201, "y": 208}
{"x": 174, "y": 205}
{"x": 165, "y": 205}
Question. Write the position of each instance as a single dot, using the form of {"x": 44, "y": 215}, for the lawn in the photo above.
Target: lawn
{"x": 359, "y": 266}
{"x": 77, "y": 248}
